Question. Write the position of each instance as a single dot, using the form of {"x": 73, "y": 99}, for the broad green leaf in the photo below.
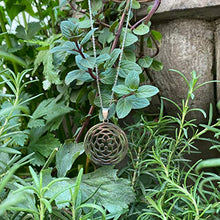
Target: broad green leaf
{"x": 89, "y": 62}
{"x": 145, "y": 62}
{"x": 142, "y": 29}
{"x": 113, "y": 26}
{"x": 68, "y": 28}
{"x": 88, "y": 36}
{"x": 84, "y": 24}
{"x": 135, "y": 4}
{"x": 132, "y": 80}
{"x": 128, "y": 66}
{"x": 66, "y": 156}
{"x": 32, "y": 29}
{"x": 156, "y": 65}
{"x": 68, "y": 46}
{"x": 77, "y": 75}
{"x": 96, "y": 6}
{"x": 122, "y": 89}
{"x": 105, "y": 100}
{"x": 108, "y": 77}
{"x": 44, "y": 145}
{"x": 42, "y": 114}
{"x": 13, "y": 8}
{"x": 123, "y": 107}
{"x": 138, "y": 103}
{"x": 130, "y": 39}
{"x": 114, "y": 56}
{"x": 129, "y": 54}
{"x": 156, "y": 35}
{"x": 102, "y": 58}
{"x": 114, "y": 194}
{"x": 105, "y": 36}
{"x": 146, "y": 91}
{"x": 79, "y": 59}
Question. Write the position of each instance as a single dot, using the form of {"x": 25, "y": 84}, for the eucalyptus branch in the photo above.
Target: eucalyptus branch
{"x": 148, "y": 17}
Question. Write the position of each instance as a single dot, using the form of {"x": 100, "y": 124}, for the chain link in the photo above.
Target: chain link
{"x": 120, "y": 56}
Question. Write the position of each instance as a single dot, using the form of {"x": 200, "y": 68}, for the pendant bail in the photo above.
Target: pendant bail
{"x": 105, "y": 113}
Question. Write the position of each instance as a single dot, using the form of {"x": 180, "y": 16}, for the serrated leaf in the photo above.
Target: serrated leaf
{"x": 45, "y": 145}
{"x": 66, "y": 156}
{"x": 123, "y": 107}
{"x": 42, "y": 114}
{"x": 132, "y": 80}
{"x": 67, "y": 29}
{"x": 142, "y": 29}
{"x": 156, "y": 65}
{"x": 146, "y": 91}
{"x": 138, "y": 103}
{"x": 128, "y": 66}
{"x": 88, "y": 36}
{"x": 122, "y": 90}
{"x": 114, "y": 194}
{"x": 32, "y": 29}
{"x": 145, "y": 62}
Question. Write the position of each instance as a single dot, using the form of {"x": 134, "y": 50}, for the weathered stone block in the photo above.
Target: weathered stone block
{"x": 173, "y": 9}
{"x": 187, "y": 45}
{"x": 217, "y": 49}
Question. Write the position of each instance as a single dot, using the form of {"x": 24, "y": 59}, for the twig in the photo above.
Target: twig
{"x": 157, "y": 46}
{"x": 81, "y": 53}
{"x": 148, "y": 17}
{"x": 115, "y": 42}
{"x": 85, "y": 124}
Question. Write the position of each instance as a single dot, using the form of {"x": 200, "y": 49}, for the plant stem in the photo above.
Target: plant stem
{"x": 6, "y": 35}
{"x": 147, "y": 18}
{"x": 25, "y": 20}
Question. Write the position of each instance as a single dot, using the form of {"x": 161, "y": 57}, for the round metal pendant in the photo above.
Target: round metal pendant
{"x": 105, "y": 144}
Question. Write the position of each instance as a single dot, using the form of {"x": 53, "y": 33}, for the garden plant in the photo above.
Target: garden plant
{"x": 61, "y": 62}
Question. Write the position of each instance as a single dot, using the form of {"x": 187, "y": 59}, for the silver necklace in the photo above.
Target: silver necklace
{"x": 106, "y": 143}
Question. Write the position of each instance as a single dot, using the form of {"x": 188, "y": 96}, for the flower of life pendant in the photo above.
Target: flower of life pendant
{"x": 105, "y": 144}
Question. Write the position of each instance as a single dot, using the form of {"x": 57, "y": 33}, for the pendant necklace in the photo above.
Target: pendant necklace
{"x": 106, "y": 143}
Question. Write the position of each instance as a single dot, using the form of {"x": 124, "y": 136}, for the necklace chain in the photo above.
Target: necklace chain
{"x": 120, "y": 56}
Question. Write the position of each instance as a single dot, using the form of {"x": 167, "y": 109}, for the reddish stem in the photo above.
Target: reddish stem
{"x": 148, "y": 17}
{"x": 85, "y": 124}
{"x": 83, "y": 56}
{"x": 117, "y": 35}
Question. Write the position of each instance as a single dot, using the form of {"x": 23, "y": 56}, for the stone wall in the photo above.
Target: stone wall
{"x": 191, "y": 41}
